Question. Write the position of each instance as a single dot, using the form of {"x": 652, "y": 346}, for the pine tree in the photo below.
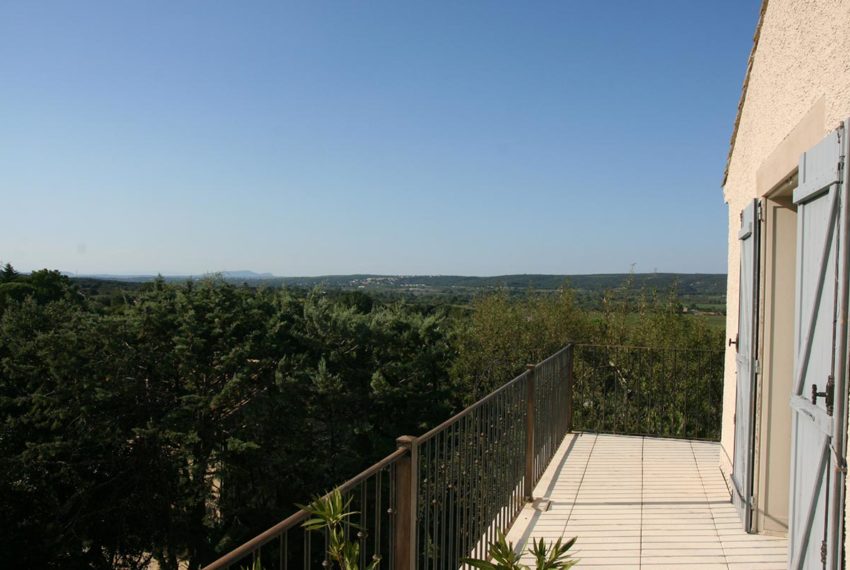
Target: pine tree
{"x": 8, "y": 274}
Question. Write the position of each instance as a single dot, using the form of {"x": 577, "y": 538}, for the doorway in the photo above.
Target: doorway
{"x": 776, "y": 358}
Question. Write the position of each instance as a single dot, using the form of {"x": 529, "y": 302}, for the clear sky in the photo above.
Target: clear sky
{"x": 474, "y": 138}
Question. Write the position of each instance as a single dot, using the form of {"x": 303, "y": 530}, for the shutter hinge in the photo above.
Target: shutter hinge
{"x": 759, "y": 213}
{"x": 757, "y": 366}
{"x": 828, "y": 395}
{"x": 823, "y": 552}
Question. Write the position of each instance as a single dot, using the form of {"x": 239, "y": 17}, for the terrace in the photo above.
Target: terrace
{"x": 529, "y": 460}
{"x": 643, "y": 502}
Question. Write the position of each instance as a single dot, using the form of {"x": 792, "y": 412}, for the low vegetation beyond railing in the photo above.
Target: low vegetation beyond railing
{"x": 648, "y": 391}
{"x": 444, "y": 495}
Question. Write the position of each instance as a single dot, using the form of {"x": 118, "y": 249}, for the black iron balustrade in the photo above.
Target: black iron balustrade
{"x": 665, "y": 392}
{"x": 473, "y": 473}
{"x": 553, "y": 408}
{"x": 444, "y": 495}
{"x": 287, "y": 545}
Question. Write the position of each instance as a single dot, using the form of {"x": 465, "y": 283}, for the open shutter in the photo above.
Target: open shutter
{"x": 821, "y": 275}
{"x": 747, "y": 341}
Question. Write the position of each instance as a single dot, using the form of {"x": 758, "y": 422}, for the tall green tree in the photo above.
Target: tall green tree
{"x": 505, "y": 333}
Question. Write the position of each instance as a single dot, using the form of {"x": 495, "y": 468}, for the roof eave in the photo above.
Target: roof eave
{"x": 743, "y": 98}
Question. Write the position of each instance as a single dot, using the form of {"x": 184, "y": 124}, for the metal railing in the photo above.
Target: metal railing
{"x": 287, "y": 545}
{"x": 467, "y": 478}
{"x": 444, "y": 495}
{"x": 663, "y": 392}
{"x": 553, "y": 408}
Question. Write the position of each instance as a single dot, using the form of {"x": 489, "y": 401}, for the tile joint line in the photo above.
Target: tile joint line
{"x": 708, "y": 503}
{"x": 640, "y": 533}
{"x": 580, "y": 483}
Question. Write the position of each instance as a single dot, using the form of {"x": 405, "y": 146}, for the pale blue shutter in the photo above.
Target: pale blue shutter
{"x": 747, "y": 340}
{"x": 819, "y": 387}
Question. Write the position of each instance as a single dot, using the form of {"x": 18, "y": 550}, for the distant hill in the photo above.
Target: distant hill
{"x": 687, "y": 283}
{"x": 705, "y": 292}
{"x": 244, "y": 274}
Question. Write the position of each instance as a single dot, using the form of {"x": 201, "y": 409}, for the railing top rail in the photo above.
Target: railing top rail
{"x": 299, "y": 516}
{"x": 658, "y": 348}
{"x": 469, "y": 409}
{"x": 554, "y": 356}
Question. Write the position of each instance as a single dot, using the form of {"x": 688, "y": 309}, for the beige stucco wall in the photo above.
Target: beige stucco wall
{"x": 798, "y": 90}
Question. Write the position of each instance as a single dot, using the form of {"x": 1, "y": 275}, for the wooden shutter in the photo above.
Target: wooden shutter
{"x": 819, "y": 387}
{"x": 745, "y": 361}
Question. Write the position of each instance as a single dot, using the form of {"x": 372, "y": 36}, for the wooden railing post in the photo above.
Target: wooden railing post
{"x": 529, "y": 435}
{"x": 570, "y": 366}
{"x": 404, "y": 540}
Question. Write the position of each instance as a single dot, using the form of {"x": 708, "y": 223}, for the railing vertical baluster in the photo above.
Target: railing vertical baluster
{"x": 518, "y": 440}
{"x": 442, "y": 465}
{"x": 391, "y": 512}
{"x": 425, "y": 499}
{"x": 570, "y": 386}
{"x": 472, "y": 491}
{"x": 469, "y": 514}
{"x": 529, "y": 434}
{"x": 483, "y": 476}
{"x": 489, "y": 470}
{"x": 364, "y": 519}
{"x": 501, "y": 465}
{"x": 463, "y": 492}
{"x": 451, "y": 505}
{"x": 480, "y": 497}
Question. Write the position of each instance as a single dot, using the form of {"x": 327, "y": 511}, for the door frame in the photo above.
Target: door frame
{"x": 772, "y": 449}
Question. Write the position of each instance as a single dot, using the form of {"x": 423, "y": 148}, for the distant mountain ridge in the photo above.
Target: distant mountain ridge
{"x": 244, "y": 274}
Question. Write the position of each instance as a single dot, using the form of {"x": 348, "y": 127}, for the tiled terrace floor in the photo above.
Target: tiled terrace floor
{"x": 641, "y": 502}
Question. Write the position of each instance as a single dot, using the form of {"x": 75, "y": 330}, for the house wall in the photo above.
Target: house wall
{"x": 798, "y": 90}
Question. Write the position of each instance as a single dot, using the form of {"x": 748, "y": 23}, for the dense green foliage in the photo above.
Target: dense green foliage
{"x": 173, "y": 421}
{"x": 502, "y": 335}
{"x": 649, "y": 370}
{"x": 196, "y": 415}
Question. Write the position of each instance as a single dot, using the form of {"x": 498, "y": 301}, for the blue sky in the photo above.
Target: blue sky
{"x": 475, "y": 138}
